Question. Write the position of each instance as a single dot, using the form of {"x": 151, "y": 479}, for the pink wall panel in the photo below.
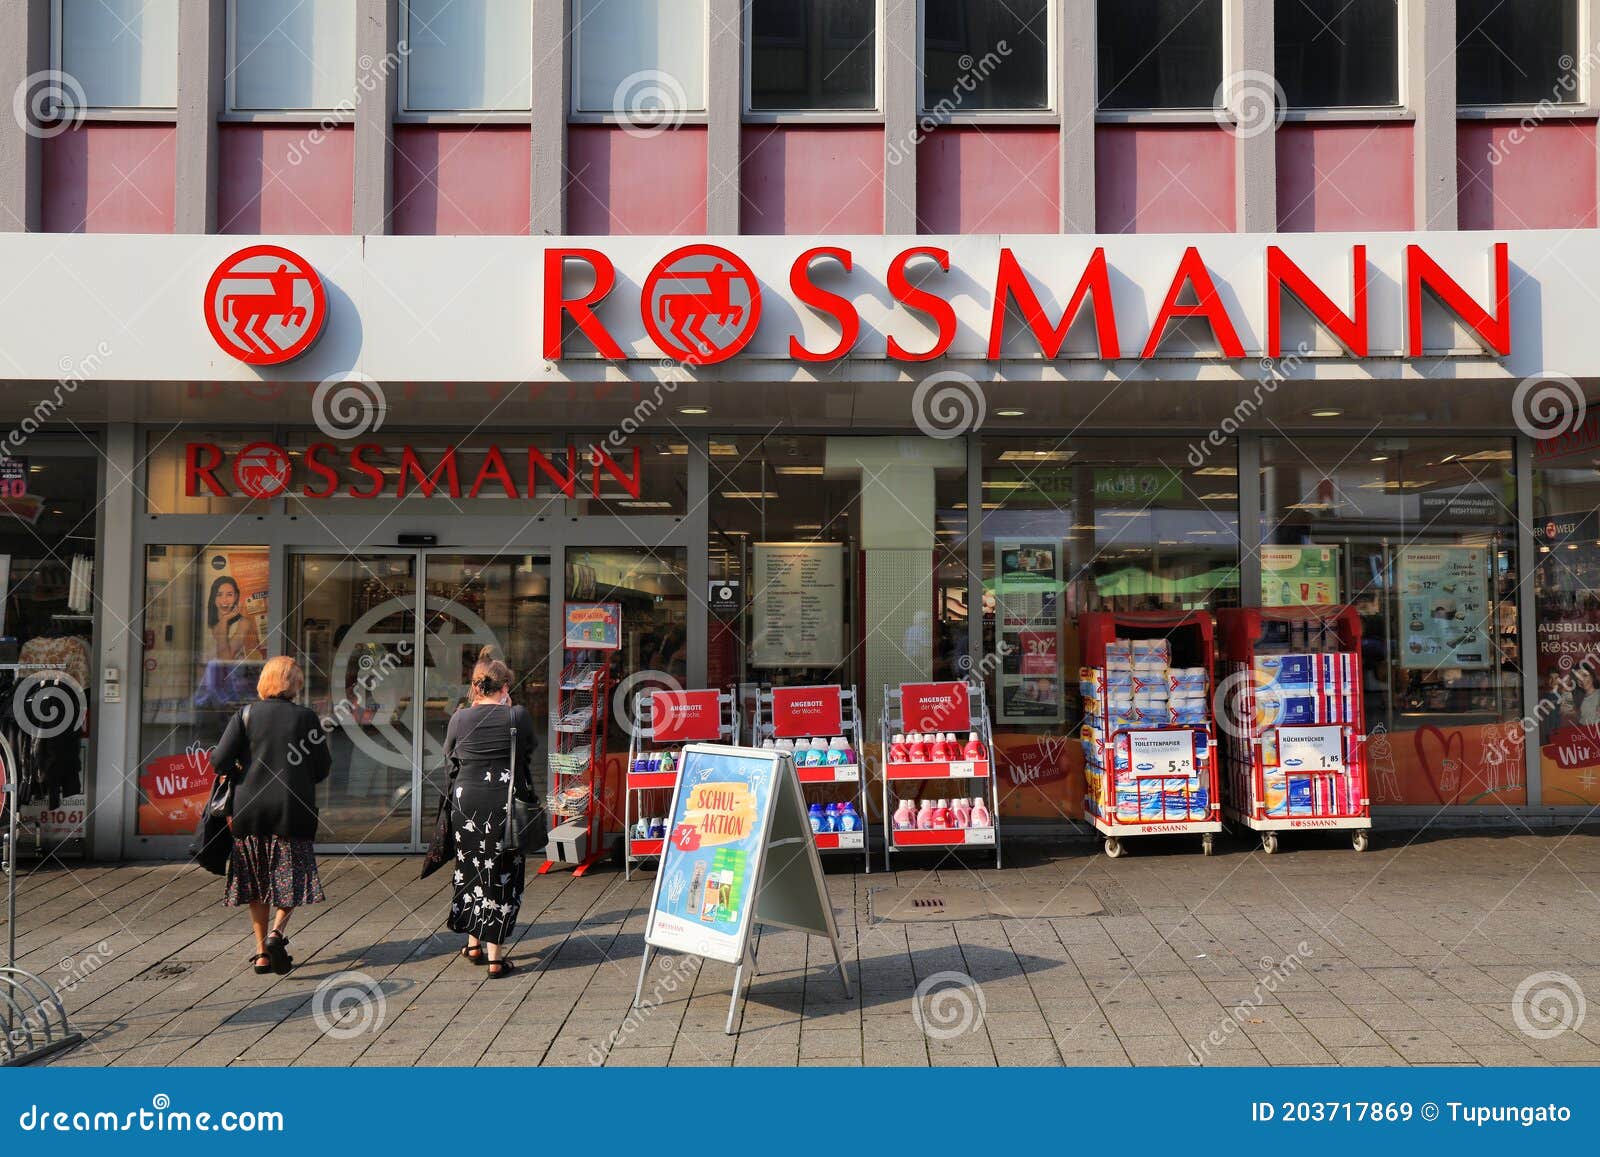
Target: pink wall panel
{"x": 1512, "y": 177}
{"x": 1345, "y": 177}
{"x": 110, "y": 177}
{"x": 1165, "y": 179}
{"x": 285, "y": 179}
{"x": 989, "y": 180}
{"x": 621, "y": 181}
{"x": 812, "y": 180}
{"x": 469, "y": 179}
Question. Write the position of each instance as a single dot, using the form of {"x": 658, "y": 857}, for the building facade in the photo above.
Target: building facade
{"x": 376, "y": 331}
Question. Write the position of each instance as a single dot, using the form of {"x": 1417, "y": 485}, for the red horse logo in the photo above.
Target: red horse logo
{"x": 248, "y": 312}
{"x": 676, "y": 318}
{"x": 262, "y": 285}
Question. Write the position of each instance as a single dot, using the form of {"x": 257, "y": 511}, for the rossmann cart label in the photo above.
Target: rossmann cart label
{"x": 712, "y": 853}
{"x": 1161, "y": 753}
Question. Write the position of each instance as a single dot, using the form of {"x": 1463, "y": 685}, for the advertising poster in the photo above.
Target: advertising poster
{"x": 803, "y": 711}
{"x": 173, "y": 790}
{"x": 594, "y": 626}
{"x": 685, "y": 716}
{"x": 1300, "y": 576}
{"x": 1027, "y": 591}
{"x": 713, "y": 853}
{"x": 1568, "y": 660}
{"x": 1444, "y": 607}
{"x": 797, "y": 600}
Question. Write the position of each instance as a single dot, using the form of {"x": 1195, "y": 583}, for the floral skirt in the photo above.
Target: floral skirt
{"x": 272, "y": 870}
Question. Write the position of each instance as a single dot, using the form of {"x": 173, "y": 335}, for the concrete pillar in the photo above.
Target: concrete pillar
{"x": 202, "y": 53}
{"x": 1252, "y": 62}
{"x": 902, "y": 100}
{"x": 552, "y": 84}
{"x": 1429, "y": 41}
{"x": 24, "y": 52}
{"x": 113, "y": 786}
{"x": 724, "y": 115}
{"x": 378, "y": 55}
{"x": 1078, "y": 100}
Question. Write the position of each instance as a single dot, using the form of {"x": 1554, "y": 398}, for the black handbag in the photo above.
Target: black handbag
{"x": 519, "y": 817}
{"x": 213, "y": 839}
{"x": 442, "y": 848}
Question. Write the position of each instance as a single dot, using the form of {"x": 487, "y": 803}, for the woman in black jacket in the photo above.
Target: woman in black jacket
{"x": 488, "y": 879}
{"x": 275, "y": 752}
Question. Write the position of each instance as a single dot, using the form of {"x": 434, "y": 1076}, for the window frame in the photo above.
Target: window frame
{"x": 230, "y": 107}
{"x": 1404, "y": 108}
{"x": 1583, "y": 106}
{"x": 577, "y": 116}
{"x": 403, "y": 115}
{"x": 1169, "y": 116}
{"x": 1050, "y": 113}
{"x": 114, "y": 112}
{"x": 872, "y": 115}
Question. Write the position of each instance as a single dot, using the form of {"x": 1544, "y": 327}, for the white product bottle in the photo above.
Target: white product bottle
{"x": 835, "y": 753}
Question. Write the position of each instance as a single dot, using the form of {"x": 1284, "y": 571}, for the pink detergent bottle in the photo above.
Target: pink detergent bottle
{"x": 905, "y": 816}
{"x": 941, "y": 814}
{"x": 974, "y": 751}
{"x": 897, "y": 749}
{"x": 980, "y": 814}
{"x": 917, "y": 748}
{"x": 925, "y": 815}
{"x": 961, "y": 815}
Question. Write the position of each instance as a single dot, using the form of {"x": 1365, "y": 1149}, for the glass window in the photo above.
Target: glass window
{"x": 1159, "y": 53}
{"x": 292, "y": 54}
{"x": 1516, "y": 53}
{"x": 468, "y": 56}
{"x": 124, "y": 53}
{"x": 1338, "y": 53}
{"x": 813, "y": 54}
{"x": 205, "y": 631}
{"x": 1422, "y": 532}
{"x": 1566, "y": 527}
{"x": 640, "y": 57}
{"x": 980, "y": 56}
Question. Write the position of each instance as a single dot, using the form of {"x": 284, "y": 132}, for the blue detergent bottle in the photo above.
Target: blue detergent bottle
{"x": 849, "y": 821}
{"x": 818, "y": 821}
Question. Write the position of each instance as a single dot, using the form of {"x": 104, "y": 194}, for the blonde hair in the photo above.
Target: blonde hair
{"x": 281, "y": 678}
{"x": 490, "y": 677}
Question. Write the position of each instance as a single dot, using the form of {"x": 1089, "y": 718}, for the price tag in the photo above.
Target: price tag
{"x": 852, "y": 839}
{"x": 1161, "y": 754}
{"x": 847, "y": 773}
{"x": 961, "y": 770}
{"x": 1311, "y": 748}
{"x": 980, "y": 835}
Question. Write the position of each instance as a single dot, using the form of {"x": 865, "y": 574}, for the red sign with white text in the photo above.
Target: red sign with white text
{"x": 935, "y": 706}
{"x": 798, "y": 712}
{"x": 685, "y": 716}
{"x": 1038, "y": 651}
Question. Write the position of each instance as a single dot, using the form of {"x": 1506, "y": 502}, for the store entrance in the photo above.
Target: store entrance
{"x": 388, "y": 641}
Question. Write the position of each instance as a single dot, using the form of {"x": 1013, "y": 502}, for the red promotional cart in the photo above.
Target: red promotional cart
{"x": 957, "y": 708}
{"x": 799, "y": 714}
{"x": 663, "y": 722}
{"x": 1292, "y": 717}
{"x": 1149, "y": 767}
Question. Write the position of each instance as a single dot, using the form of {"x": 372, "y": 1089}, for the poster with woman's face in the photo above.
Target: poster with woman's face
{"x": 235, "y": 606}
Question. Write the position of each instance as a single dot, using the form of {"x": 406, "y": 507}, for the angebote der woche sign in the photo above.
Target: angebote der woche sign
{"x": 738, "y": 853}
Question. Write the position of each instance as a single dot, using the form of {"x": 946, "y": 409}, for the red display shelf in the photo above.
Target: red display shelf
{"x": 942, "y": 837}
{"x": 838, "y": 773}
{"x": 958, "y": 769}
{"x": 646, "y": 780}
{"x": 833, "y": 841}
{"x": 637, "y": 848}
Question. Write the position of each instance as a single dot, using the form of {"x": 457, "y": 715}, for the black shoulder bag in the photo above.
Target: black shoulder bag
{"x": 519, "y": 820}
{"x": 213, "y": 839}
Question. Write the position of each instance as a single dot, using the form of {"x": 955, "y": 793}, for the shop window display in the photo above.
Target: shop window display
{"x": 1090, "y": 524}
{"x": 1419, "y": 534}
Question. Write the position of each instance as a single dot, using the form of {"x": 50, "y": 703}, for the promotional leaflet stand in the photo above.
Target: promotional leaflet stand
{"x": 915, "y": 708}
{"x": 36, "y": 1024}
{"x": 1296, "y": 748}
{"x": 578, "y": 768}
{"x": 740, "y": 854}
{"x": 802, "y": 713}
{"x": 1145, "y": 773}
{"x": 664, "y": 721}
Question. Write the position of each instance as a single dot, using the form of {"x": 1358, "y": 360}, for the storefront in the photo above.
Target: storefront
{"x": 869, "y": 460}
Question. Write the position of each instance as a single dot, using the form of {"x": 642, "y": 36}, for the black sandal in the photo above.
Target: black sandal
{"x": 505, "y": 969}
{"x": 475, "y": 954}
{"x": 255, "y": 960}
{"x": 277, "y": 951}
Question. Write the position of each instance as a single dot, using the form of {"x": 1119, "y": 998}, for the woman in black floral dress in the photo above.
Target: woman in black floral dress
{"x": 488, "y": 879}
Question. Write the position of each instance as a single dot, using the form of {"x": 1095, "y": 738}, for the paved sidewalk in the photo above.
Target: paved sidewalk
{"x": 1411, "y": 954}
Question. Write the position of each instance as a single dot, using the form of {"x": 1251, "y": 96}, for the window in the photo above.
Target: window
{"x": 291, "y": 54}
{"x": 640, "y": 57}
{"x": 1160, "y": 53}
{"x": 468, "y": 56}
{"x": 980, "y": 56}
{"x": 124, "y": 53}
{"x": 1338, "y": 53}
{"x": 1520, "y": 53}
{"x": 813, "y": 54}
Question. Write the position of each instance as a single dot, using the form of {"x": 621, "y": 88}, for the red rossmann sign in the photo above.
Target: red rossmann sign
{"x": 706, "y": 285}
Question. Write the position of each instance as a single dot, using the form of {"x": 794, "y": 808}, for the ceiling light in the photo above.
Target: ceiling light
{"x": 1380, "y": 457}
{"x": 808, "y": 526}
{"x": 1037, "y": 455}
{"x": 1087, "y": 526}
{"x": 1011, "y": 413}
{"x": 1217, "y": 472}
{"x": 1327, "y": 412}
{"x": 1220, "y": 496}
{"x": 750, "y": 495}
{"x": 637, "y": 504}
{"x": 694, "y": 411}
{"x": 1008, "y": 486}
{"x": 800, "y": 471}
